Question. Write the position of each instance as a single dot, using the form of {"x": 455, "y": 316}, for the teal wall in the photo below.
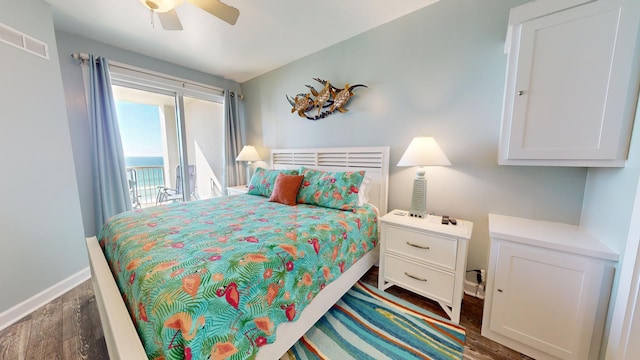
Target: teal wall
{"x": 609, "y": 198}
{"x": 77, "y": 108}
{"x": 47, "y": 205}
{"x": 41, "y": 237}
{"x": 610, "y": 193}
{"x": 438, "y": 72}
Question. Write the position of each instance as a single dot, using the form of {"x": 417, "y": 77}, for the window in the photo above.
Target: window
{"x": 163, "y": 128}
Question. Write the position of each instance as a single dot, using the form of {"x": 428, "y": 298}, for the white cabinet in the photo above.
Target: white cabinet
{"x": 426, "y": 257}
{"x": 572, "y": 83}
{"x": 548, "y": 288}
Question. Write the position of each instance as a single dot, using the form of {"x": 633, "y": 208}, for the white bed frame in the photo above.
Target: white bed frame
{"x": 120, "y": 334}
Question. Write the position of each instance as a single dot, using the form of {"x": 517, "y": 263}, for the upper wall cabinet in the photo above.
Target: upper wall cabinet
{"x": 572, "y": 83}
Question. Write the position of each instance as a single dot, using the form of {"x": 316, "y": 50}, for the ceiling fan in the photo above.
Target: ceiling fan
{"x": 166, "y": 10}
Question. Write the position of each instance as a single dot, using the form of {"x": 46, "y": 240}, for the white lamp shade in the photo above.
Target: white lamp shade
{"x": 424, "y": 151}
{"x": 161, "y": 5}
{"x": 248, "y": 153}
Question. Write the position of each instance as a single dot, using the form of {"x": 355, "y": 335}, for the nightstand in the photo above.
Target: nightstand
{"x": 425, "y": 257}
{"x": 237, "y": 190}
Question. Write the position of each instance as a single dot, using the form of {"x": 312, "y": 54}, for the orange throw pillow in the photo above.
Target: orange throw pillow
{"x": 286, "y": 188}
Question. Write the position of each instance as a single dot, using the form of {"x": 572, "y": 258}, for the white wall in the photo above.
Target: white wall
{"x": 608, "y": 209}
{"x": 77, "y": 109}
{"x": 609, "y": 199}
{"x": 625, "y": 318}
{"x": 41, "y": 237}
{"x": 439, "y": 72}
{"x": 170, "y": 145}
{"x": 205, "y": 143}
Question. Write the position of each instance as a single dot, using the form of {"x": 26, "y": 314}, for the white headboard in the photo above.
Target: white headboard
{"x": 373, "y": 160}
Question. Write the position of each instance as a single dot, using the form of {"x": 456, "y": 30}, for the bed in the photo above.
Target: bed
{"x": 264, "y": 339}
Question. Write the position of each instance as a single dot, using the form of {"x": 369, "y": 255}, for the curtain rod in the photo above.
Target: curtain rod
{"x": 80, "y": 56}
{"x": 85, "y": 57}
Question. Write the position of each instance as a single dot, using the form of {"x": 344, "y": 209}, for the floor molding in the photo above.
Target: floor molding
{"x": 17, "y": 312}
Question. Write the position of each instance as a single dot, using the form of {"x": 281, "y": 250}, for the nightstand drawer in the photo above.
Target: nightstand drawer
{"x": 424, "y": 280}
{"x": 421, "y": 247}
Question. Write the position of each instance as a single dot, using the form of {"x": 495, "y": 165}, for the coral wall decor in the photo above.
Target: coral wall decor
{"x": 329, "y": 97}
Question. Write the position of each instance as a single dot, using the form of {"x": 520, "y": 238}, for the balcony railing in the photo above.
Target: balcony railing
{"x": 143, "y": 184}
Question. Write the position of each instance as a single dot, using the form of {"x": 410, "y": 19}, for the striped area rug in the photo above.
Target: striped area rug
{"x": 370, "y": 324}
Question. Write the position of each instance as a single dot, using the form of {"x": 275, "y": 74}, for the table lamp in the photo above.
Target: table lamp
{"x": 248, "y": 154}
{"x": 422, "y": 151}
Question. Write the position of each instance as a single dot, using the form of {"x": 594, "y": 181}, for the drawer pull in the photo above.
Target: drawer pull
{"x": 414, "y": 277}
{"x": 418, "y": 246}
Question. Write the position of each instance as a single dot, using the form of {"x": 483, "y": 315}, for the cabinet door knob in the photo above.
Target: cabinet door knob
{"x": 499, "y": 290}
{"x": 520, "y": 92}
{"x": 418, "y": 246}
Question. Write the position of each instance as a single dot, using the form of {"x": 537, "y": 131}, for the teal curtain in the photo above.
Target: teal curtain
{"x": 234, "y": 174}
{"x": 110, "y": 186}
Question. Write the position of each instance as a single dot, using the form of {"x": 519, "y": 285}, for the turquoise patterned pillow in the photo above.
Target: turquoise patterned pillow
{"x": 263, "y": 181}
{"x": 332, "y": 189}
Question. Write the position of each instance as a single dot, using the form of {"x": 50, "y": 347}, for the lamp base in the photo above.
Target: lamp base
{"x": 248, "y": 172}
{"x": 419, "y": 198}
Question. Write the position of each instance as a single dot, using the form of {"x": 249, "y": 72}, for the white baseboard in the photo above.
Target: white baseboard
{"x": 17, "y": 312}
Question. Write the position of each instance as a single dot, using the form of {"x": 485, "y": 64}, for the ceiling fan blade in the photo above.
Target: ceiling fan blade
{"x": 216, "y": 8}
{"x": 169, "y": 20}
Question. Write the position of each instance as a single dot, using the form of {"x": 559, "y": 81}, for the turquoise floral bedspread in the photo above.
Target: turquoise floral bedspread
{"x": 212, "y": 279}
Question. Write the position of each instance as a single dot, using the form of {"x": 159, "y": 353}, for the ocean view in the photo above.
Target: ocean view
{"x": 140, "y": 130}
{"x": 143, "y": 161}
{"x": 149, "y": 174}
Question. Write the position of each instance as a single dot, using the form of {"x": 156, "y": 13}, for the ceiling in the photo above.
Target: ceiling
{"x": 267, "y": 35}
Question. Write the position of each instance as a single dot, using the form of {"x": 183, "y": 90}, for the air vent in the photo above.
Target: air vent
{"x": 22, "y": 41}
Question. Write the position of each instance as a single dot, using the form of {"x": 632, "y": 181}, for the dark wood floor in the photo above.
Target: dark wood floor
{"x": 68, "y": 328}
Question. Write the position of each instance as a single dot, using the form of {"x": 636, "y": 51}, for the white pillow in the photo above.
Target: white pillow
{"x": 363, "y": 191}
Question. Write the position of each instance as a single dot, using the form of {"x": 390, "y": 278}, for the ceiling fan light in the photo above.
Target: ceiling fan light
{"x": 161, "y": 5}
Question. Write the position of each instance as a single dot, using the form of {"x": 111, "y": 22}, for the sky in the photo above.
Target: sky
{"x": 139, "y": 129}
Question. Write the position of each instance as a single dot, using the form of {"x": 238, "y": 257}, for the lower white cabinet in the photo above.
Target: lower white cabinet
{"x": 548, "y": 288}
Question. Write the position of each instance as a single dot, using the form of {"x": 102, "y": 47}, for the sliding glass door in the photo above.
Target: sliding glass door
{"x": 173, "y": 144}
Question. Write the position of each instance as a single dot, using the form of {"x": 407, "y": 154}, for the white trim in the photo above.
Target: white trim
{"x": 17, "y": 312}
{"x": 621, "y": 335}
{"x": 123, "y": 343}
{"x": 133, "y": 75}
